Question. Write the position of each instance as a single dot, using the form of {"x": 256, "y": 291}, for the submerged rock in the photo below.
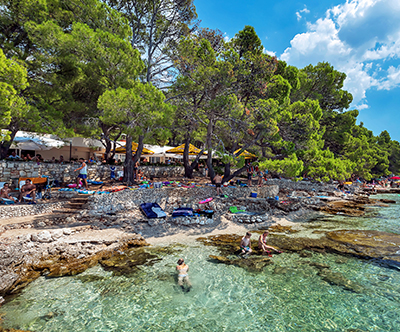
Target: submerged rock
{"x": 282, "y": 229}
{"x": 251, "y": 263}
{"x": 129, "y": 262}
{"x": 338, "y": 279}
{"x": 350, "y": 208}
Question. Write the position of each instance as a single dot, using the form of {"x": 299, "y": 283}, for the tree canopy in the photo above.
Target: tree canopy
{"x": 97, "y": 68}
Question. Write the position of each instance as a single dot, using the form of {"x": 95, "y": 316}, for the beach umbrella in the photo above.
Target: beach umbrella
{"x": 36, "y": 143}
{"x": 122, "y": 149}
{"x": 395, "y": 178}
{"x": 179, "y": 149}
{"x": 246, "y": 154}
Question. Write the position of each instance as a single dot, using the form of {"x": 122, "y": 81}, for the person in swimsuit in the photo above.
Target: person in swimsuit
{"x": 260, "y": 178}
{"x": 28, "y": 189}
{"x": 136, "y": 171}
{"x": 82, "y": 173}
{"x": 262, "y": 244}
{"x": 218, "y": 182}
{"x": 183, "y": 276}
{"x": 5, "y": 192}
{"x": 245, "y": 244}
{"x": 249, "y": 174}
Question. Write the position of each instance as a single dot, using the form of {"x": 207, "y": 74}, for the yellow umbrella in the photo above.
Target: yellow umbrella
{"x": 180, "y": 148}
{"x": 122, "y": 149}
{"x": 246, "y": 154}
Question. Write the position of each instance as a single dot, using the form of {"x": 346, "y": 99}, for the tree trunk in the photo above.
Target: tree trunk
{"x": 186, "y": 164}
{"x": 211, "y": 172}
{"x": 231, "y": 176}
{"x": 108, "y": 149}
{"x": 129, "y": 163}
{"x": 139, "y": 150}
{"x": 6, "y": 145}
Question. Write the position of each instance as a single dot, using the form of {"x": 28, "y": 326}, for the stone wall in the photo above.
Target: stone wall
{"x": 13, "y": 211}
{"x": 12, "y": 170}
{"x": 168, "y": 197}
{"x": 301, "y": 185}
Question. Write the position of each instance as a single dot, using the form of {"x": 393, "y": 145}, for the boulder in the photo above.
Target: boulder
{"x": 42, "y": 237}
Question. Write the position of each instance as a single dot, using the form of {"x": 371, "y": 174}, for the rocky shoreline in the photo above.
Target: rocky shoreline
{"x": 55, "y": 245}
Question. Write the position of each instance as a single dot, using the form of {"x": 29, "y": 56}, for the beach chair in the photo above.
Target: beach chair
{"x": 48, "y": 187}
{"x": 7, "y": 201}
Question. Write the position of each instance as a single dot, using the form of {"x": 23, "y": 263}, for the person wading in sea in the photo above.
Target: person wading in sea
{"x": 183, "y": 276}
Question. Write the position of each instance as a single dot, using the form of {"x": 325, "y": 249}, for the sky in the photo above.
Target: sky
{"x": 358, "y": 37}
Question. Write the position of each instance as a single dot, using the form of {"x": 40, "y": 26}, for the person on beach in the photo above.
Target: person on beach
{"x": 245, "y": 244}
{"x": 14, "y": 156}
{"x": 262, "y": 244}
{"x": 5, "y": 192}
{"x": 249, "y": 170}
{"x": 218, "y": 183}
{"x": 136, "y": 171}
{"x": 183, "y": 276}
{"x": 82, "y": 173}
{"x": 28, "y": 189}
{"x": 260, "y": 178}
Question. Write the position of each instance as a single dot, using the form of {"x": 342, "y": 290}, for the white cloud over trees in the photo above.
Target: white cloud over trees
{"x": 360, "y": 38}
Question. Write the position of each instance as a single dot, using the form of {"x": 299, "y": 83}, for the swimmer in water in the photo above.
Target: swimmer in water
{"x": 183, "y": 276}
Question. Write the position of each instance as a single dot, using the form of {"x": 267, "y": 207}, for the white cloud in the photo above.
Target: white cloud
{"x": 226, "y": 37}
{"x": 269, "y": 52}
{"x": 362, "y": 107}
{"x": 353, "y": 37}
{"x": 392, "y": 80}
{"x": 304, "y": 10}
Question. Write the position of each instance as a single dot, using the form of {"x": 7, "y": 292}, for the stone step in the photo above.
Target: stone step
{"x": 76, "y": 204}
{"x": 65, "y": 211}
{"x": 79, "y": 199}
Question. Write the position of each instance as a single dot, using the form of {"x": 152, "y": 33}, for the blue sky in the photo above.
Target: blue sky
{"x": 358, "y": 37}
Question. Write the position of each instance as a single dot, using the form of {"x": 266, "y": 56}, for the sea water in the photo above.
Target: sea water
{"x": 288, "y": 295}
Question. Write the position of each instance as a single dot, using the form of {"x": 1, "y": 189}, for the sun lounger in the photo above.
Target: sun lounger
{"x": 7, "y": 201}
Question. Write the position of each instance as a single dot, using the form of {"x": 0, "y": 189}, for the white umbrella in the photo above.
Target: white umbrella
{"x": 36, "y": 143}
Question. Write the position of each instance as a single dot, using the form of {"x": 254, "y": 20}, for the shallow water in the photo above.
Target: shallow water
{"x": 287, "y": 296}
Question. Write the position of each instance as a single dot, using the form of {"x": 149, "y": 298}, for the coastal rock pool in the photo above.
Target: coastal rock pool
{"x": 289, "y": 295}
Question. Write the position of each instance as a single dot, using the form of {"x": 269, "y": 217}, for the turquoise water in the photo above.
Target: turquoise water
{"x": 288, "y": 295}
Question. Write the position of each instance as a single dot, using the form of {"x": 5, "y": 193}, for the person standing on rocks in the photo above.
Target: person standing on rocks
{"x": 262, "y": 244}
{"x": 250, "y": 171}
{"x": 183, "y": 276}
{"x": 218, "y": 183}
{"x": 245, "y": 244}
{"x": 82, "y": 173}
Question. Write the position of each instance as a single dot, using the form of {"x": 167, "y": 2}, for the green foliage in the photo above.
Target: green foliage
{"x": 288, "y": 167}
{"x": 139, "y": 111}
{"x": 359, "y": 151}
{"x": 13, "y": 79}
{"x": 322, "y": 165}
{"x": 323, "y": 83}
{"x": 247, "y": 41}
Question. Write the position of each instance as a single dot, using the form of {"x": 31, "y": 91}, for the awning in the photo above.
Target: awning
{"x": 192, "y": 149}
{"x": 26, "y": 142}
{"x": 246, "y": 154}
{"x": 122, "y": 149}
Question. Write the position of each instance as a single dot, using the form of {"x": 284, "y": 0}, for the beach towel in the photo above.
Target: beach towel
{"x": 152, "y": 210}
{"x": 7, "y": 201}
{"x": 182, "y": 212}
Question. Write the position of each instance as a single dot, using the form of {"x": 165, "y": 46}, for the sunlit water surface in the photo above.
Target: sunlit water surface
{"x": 286, "y": 296}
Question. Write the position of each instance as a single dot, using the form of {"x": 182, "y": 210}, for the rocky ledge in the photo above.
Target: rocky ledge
{"x": 57, "y": 252}
{"x": 379, "y": 247}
